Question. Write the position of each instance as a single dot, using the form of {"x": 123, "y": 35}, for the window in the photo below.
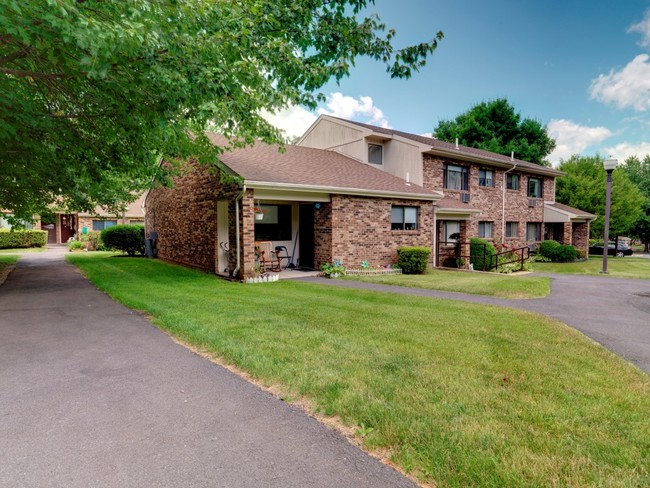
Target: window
{"x": 450, "y": 230}
{"x": 512, "y": 182}
{"x": 485, "y": 229}
{"x": 512, "y": 229}
{"x": 455, "y": 177}
{"x": 103, "y": 224}
{"x": 375, "y": 153}
{"x": 534, "y": 231}
{"x": 404, "y": 218}
{"x": 534, "y": 187}
{"x": 276, "y": 224}
{"x": 486, "y": 177}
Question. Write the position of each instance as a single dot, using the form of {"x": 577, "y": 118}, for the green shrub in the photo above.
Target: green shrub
{"x": 556, "y": 252}
{"x": 548, "y": 248}
{"x": 92, "y": 240}
{"x": 76, "y": 246}
{"x": 581, "y": 253}
{"x": 128, "y": 238}
{"x": 565, "y": 254}
{"x": 15, "y": 239}
{"x": 413, "y": 260}
{"x": 481, "y": 253}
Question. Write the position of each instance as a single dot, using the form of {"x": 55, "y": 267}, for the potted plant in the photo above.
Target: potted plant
{"x": 333, "y": 270}
{"x": 259, "y": 212}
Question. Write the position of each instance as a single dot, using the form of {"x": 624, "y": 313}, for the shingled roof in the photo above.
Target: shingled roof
{"x": 437, "y": 145}
{"x": 304, "y": 168}
{"x": 575, "y": 212}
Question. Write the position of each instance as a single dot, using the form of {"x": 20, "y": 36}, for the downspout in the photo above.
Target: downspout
{"x": 435, "y": 237}
{"x": 503, "y": 199}
{"x": 238, "y": 247}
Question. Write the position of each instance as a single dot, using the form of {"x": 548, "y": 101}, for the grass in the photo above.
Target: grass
{"x": 454, "y": 393}
{"x": 625, "y": 267}
{"x": 489, "y": 284}
{"x": 22, "y": 250}
{"x": 7, "y": 260}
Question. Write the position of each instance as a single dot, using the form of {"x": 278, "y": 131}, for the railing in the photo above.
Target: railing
{"x": 479, "y": 256}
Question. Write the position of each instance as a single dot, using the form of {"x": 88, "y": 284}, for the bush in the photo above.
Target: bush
{"x": 413, "y": 260}
{"x": 128, "y": 238}
{"x": 92, "y": 240}
{"x": 15, "y": 239}
{"x": 556, "y": 252}
{"x": 75, "y": 246}
{"x": 481, "y": 253}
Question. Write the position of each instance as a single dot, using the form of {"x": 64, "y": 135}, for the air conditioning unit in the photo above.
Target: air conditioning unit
{"x": 532, "y": 202}
{"x": 464, "y": 197}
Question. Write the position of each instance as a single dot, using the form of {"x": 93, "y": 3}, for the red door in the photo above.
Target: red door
{"x": 68, "y": 227}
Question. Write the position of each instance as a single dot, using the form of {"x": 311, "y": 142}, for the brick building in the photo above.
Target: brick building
{"x": 487, "y": 195}
{"x": 324, "y": 204}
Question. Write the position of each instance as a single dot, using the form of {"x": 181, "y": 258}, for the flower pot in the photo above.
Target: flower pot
{"x": 259, "y": 216}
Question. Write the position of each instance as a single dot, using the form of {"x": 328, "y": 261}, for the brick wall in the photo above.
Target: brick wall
{"x": 361, "y": 230}
{"x": 580, "y": 236}
{"x": 490, "y": 199}
{"x": 185, "y": 218}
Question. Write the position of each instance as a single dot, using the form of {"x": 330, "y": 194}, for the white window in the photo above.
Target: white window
{"x": 512, "y": 229}
{"x": 455, "y": 177}
{"x": 103, "y": 224}
{"x": 404, "y": 218}
{"x": 450, "y": 230}
{"x": 535, "y": 186}
{"x": 375, "y": 153}
{"x": 512, "y": 182}
{"x": 486, "y": 177}
{"x": 534, "y": 231}
{"x": 485, "y": 229}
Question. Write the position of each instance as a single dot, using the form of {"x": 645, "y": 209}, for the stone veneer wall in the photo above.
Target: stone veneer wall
{"x": 489, "y": 199}
{"x": 360, "y": 230}
{"x": 185, "y": 217}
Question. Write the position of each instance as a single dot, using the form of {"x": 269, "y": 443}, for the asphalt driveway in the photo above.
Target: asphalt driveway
{"x": 93, "y": 395}
{"x": 613, "y": 312}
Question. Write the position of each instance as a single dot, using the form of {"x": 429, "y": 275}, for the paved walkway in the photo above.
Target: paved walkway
{"x": 93, "y": 395}
{"x": 613, "y": 312}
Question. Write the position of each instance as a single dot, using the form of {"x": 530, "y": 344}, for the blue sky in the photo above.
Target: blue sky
{"x": 580, "y": 67}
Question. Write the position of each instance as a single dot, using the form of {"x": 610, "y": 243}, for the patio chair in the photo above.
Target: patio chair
{"x": 283, "y": 253}
{"x": 268, "y": 258}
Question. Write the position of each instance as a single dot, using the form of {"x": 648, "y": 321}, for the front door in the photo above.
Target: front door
{"x": 306, "y": 235}
{"x": 223, "y": 241}
{"x": 68, "y": 226}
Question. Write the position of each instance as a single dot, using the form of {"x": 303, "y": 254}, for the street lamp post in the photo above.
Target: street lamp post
{"x": 610, "y": 166}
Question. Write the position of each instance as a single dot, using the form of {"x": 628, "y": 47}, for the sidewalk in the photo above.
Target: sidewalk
{"x": 95, "y": 396}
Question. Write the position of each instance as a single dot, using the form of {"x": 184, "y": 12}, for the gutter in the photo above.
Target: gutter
{"x": 503, "y": 201}
{"x": 238, "y": 247}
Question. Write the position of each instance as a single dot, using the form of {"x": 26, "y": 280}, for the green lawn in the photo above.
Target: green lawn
{"x": 626, "y": 267}
{"x": 22, "y": 250}
{"x": 454, "y": 393}
{"x": 7, "y": 260}
{"x": 490, "y": 284}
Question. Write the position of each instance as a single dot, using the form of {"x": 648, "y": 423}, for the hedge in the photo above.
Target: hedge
{"x": 22, "y": 238}
{"x": 556, "y": 252}
{"x": 413, "y": 260}
{"x": 128, "y": 238}
{"x": 480, "y": 253}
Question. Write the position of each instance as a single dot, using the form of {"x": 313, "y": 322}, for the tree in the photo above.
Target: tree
{"x": 93, "y": 93}
{"x": 584, "y": 187}
{"x": 495, "y": 126}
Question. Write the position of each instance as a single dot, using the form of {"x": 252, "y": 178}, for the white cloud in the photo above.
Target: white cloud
{"x": 624, "y": 150}
{"x": 339, "y": 105}
{"x": 292, "y": 121}
{"x": 643, "y": 28}
{"x": 627, "y": 88}
{"x": 571, "y": 138}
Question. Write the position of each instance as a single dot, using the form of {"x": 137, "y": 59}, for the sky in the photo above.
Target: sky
{"x": 580, "y": 67}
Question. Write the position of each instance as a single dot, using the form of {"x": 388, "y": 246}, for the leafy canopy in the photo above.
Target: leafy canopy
{"x": 93, "y": 92}
{"x": 584, "y": 187}
{"x": 495, "y": 126}
{"x": 639, "y": 173}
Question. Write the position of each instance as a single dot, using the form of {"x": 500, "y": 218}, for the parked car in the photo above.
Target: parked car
{"x": 623, "y": 250}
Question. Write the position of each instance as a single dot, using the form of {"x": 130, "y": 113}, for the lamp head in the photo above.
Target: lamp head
{"x": 610, "y": 164}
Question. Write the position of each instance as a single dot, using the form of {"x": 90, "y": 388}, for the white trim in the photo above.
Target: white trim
{"x": 266, "y": 185}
